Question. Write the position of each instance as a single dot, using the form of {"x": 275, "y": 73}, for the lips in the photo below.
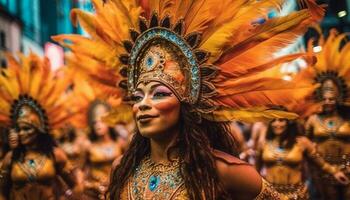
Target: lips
{"x": 145, "y": 118}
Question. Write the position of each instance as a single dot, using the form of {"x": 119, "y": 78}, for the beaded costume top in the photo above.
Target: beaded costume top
{"x": 156, "y": 181}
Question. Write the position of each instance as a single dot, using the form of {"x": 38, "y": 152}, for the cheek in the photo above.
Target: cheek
{"x": 168, "y": 112}
{"x": 135, "y": 108}
{"x": 166, "y": 107}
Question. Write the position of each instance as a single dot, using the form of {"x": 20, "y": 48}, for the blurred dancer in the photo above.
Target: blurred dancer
{"x": 31, "y": 106}
{"x": 283, "y": 156}
{"x": 330, "y": 129}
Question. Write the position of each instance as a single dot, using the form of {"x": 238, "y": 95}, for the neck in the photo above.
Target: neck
{"x": 277, "y": 138}
{"x": 331, "y": 113}
{"x": 160, "y": 146}
{"x": 104, "y": 138}
{"x": 31, "y": 147}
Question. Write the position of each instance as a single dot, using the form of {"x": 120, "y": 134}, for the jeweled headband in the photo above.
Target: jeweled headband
{"x": 27, "y": 110}
{"x": 164, "y": 54}
{"x": 331, "y": 81}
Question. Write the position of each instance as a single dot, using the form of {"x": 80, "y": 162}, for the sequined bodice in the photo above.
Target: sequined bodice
{"x": 337, "y": 129}
{"x": 273, "y": 154}
{"x": 152, "y": 181}
{"x": 41, "y": 169}
{"x": 333, "y": 139}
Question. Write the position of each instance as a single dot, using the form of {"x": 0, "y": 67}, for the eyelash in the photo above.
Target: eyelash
{"x": 157, "y": 95}
{"x": 162, "y": 94}
{"x": 136, "y": 98}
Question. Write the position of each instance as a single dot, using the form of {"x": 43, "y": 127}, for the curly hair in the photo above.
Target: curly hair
{"x": 194, "y": 144}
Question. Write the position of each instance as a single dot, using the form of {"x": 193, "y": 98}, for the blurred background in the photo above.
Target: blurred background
{"x": 26, "y": 25}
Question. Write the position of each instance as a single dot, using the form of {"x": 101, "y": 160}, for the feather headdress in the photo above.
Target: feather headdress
{"x": 206, "y": 52}
{"x": 332, "y": 70}
{"x": 85, "y": 94}
{"x": 31, "y": 92}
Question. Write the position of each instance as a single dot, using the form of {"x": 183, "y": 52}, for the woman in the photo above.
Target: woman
{"x": 330, "y": 128}
{"x": 101, "y": 152}
{"x": 283, "y": 156}
{"x": 182, "y": 67}
{"x": 31, "y": 168}
{"x": 74, "y": 145}
{"x": 102, "y": 148}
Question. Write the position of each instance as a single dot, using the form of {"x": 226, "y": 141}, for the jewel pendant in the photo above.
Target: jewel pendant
{"x": 153, "y": 182}
{"x": 331, "y": 124}
{"x": 32, "y": 163}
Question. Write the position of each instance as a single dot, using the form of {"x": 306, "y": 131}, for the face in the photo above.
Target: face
{"x": 100, "y": 127}
{"x": 329, "y": 101}
{"x": 156, "y": 109}
{"x": 279, "y": 126}
{"x": 27, "y": 133}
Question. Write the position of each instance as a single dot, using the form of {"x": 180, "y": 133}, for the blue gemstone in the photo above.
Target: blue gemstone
{"x": 149, "y": 62}
{"x": 32, "y": 163}
{"x": 330, "y": 123}
{"x": 153, "y": 182}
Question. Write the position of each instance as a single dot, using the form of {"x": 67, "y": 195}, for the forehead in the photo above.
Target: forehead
{"x": 24, "y": 124}
{"x": 329, "y": 94}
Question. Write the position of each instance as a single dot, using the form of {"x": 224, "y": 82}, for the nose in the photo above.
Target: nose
{"x": 327, "y": 101}
{"x": 20, "y": 132}
{"x": 145, "y": 104}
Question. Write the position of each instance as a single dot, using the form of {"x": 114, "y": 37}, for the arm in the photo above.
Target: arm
{"x": 5, "y": 175}
{"x": 69, "y": 174}
{"x": 311, "y": 153}
{"x": 259, "y": 160}
{"x": 242, "y": 181}
{"x": 309, "y": 126}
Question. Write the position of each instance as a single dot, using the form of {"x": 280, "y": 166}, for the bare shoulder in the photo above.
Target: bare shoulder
{"x": 311, "y": 120}
{"x": 6, "y": 161}
{"x": 60, "y": 155}
{"x": 238, "y": 177}
{"x": 305, "y": 143}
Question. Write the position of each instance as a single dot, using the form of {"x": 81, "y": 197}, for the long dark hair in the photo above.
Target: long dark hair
{"x": 90, "y": 117}
{"x": 288, "y": 137}
{"x": 195, "y": 144}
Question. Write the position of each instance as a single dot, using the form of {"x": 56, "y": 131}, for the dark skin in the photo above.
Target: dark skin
{"x": 157, "y": 113}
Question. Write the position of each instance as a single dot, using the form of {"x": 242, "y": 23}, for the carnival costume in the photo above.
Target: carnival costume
{"x": 205, "y": 52}
{"x": 31, "y": 94}
{"x": 332, "y": 133}
{"x": 285, "y": 165}
{"x": 99, "y": 155}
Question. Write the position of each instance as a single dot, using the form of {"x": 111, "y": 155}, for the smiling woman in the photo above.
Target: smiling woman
{"x": 34, "y": 164}
{"x": 156, "y": 110}
{"x": 188, "y": 68}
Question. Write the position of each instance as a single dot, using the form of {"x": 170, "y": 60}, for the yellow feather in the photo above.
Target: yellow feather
{"x": 248, "y": 115}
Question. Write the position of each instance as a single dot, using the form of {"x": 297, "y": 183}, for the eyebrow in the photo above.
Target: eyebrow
{"x": 155, "y": 85}
{"x": 151, "y": 88}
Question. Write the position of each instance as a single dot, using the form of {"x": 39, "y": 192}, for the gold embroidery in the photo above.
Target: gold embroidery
{"x": 157, "y": 181}
{"x": 268, "y": 192}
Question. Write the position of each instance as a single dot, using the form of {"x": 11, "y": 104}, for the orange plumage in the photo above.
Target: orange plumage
{"x": 238, "y": 48}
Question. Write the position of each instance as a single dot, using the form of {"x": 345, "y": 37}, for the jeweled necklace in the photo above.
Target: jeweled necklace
{"x": 156, "y": 180}
{"x": 331, "y": 124}
{"x": 31, "y": 167}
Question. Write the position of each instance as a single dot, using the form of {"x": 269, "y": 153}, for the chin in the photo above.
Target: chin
{"x": 149, "y": 133}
